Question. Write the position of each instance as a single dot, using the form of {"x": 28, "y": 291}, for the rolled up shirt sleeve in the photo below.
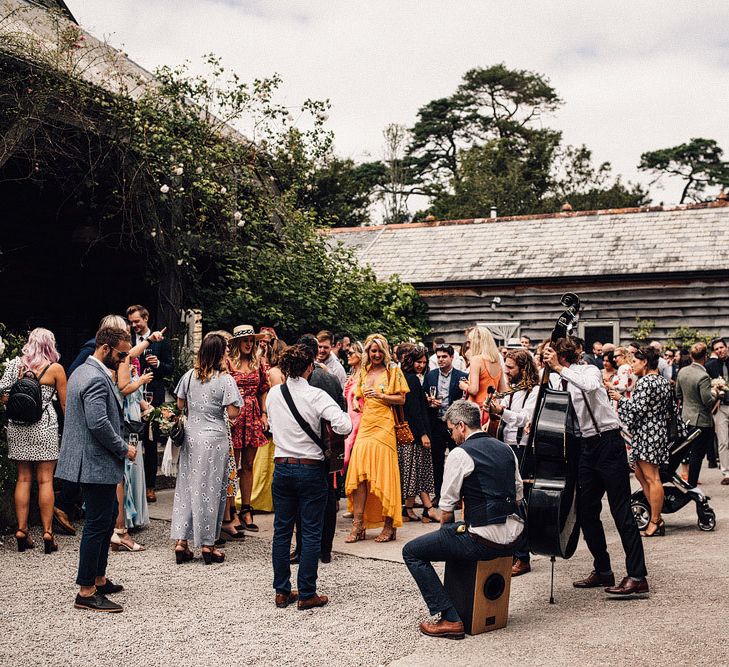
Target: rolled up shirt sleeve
{"x": 586, "y": 378}
{"x": 458, "y": 466}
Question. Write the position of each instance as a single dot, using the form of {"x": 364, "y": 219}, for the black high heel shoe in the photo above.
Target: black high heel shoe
{"x": 183, "y": 555}
{"x": 212, "y": 557}
{"x": 660, "y": 530}
{"x": 247, "y": 509}
{"x": 49, "y": 545}
{"x": 23, "y": 540}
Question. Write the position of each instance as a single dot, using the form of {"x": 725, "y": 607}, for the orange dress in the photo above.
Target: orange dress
{"x": 374, "y": 454}
{"x": 485, "y": 380}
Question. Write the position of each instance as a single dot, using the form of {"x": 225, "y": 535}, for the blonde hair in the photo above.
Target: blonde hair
{"x": 483, "y": 344}
{"x": 114, "y": 322}
{"x": 628, "y": 357}
{"x": 382, "y": 343}
{"x": 234, "y": 352}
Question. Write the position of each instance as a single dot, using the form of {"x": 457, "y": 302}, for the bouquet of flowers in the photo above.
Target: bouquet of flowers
{"x": 719, "y": 387}
{"x": 165, "y": 416}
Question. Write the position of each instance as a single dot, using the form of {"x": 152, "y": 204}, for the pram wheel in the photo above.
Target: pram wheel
{"x": 641, "y": 513}
{"x": 707, "y": 520}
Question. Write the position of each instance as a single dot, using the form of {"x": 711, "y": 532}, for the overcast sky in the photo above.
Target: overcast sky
{"x": 634, "y": 76}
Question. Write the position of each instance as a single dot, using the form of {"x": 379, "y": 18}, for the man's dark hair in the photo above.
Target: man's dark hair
{"x": 529, "y": 340}
{"x": 448, "y": 349}
{"x": 295, "y": 360}
{"x": 715, "y": 341}
{"x": 339, "y": 337}
{"x": 311, "y": 342}
{"x": 111, "y": 336}
{"x": 137, "y": 308}
{"x": 579, "y": 342}
{"x": 567, "y": 348}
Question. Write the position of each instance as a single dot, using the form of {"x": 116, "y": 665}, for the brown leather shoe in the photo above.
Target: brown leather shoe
{"x": 629, "y": 587}
{"x": 595, "y": 580}
{"x": 63, "y": 523}
{"x": 725, "y": 481}
{"x": 445, "y": 629}
{"x": 283, "y": 601}
{"x": 520, "y": 567}
{"x": 151, "y": 496}
{"x": 313, "y": 601}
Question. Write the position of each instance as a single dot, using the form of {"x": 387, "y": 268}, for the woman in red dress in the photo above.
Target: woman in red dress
{"x": 247, "y": 432}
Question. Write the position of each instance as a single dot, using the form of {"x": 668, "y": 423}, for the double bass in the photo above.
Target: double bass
{"x": 551, "y": 460}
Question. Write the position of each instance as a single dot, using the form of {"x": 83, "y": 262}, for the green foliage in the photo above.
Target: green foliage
{"x": 699, "y": 163}
{"x": 685, "y": 337}
{"x": 643, "y": 329}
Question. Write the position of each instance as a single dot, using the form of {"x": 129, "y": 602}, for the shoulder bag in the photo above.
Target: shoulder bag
{"x": 330, "y": 443}
{"x": 403, "y": 433}
{"x": 177, "y": 433}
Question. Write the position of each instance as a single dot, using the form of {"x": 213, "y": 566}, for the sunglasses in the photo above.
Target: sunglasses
{"x": 122, "y": 355}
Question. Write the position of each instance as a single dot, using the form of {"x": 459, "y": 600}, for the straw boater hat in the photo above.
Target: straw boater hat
{"x": 245, "y": 330}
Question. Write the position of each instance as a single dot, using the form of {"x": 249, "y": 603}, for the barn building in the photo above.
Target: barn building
{"x": 668, "y": 265}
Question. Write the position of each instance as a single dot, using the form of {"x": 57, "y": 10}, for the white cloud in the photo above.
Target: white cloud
{"x": 634, "y": 76}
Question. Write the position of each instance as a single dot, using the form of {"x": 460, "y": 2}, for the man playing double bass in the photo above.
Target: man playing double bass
{"x": 603, "y": 468}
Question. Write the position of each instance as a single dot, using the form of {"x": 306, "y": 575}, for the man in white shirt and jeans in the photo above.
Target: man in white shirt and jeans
{"x": 484, "y": 473}
{"x": 300, "y": 477}
{"x": 603, "y": 468}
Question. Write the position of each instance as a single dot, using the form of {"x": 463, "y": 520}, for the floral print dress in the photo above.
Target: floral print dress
{"x": 247, "y": 431}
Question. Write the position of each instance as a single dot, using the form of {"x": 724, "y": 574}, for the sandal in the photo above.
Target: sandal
{"x": 408, "y": 514}
{"x": 247, "y": 510}
{"x": 118, "y": 544}
{"x": 182, "y": 553}
{"x": 660, "y": 530}
{"x": 388, "y": 534}
{"x": 358, "y": 531}
{"x": 212, "y": 555}
{"x": 427, "y": 516}
{"x": 237, "y": 534}
{"x": 24, "y": 542}
{"x": 49, "y": 544}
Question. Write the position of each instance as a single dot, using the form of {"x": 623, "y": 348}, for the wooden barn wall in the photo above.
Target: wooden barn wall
{"x": 698, "y": 304}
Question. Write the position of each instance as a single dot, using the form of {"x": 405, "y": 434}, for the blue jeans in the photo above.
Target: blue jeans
{"x": 442, "y": 545}
{"x": 298, "y": 489}
{"x": 100, "y": 509}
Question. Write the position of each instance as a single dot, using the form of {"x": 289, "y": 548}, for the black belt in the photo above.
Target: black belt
{"x": 305, "y": 462}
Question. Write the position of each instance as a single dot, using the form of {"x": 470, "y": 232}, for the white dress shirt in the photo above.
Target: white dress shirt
{"x": 313, "y": 405}
{"x": 588, "y": 379}
{"x": 336, "y": 369}
{"x": 460, "y": 465}
{"x": 518, "y": 414}
{"x": 459, "y": 363}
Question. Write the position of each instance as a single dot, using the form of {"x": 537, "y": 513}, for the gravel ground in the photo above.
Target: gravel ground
{"x": 193, "y": 614}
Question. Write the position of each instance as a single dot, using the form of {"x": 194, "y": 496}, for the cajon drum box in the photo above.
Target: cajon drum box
{"x": 480, "y": 592}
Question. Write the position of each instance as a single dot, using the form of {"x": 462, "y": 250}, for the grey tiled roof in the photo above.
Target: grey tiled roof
{"x": 596, "y": 243}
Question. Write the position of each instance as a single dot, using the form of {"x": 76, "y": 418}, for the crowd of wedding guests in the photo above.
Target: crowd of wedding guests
{"x": 392, "y": 402}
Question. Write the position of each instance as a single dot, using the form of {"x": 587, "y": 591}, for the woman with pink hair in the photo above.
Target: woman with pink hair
{"x": 36, "y": 445}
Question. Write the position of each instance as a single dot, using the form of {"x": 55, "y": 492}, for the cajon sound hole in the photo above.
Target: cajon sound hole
{"x": 493, "y": 587}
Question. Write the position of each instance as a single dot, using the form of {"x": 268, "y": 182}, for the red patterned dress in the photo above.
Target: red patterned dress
{"x": 247, "y": 431}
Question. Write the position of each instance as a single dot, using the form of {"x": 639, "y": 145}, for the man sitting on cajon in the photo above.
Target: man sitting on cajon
{"x": 483, "y": 472}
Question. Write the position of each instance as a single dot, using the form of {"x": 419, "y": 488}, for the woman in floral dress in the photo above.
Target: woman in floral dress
{"x": 249, "y": 373}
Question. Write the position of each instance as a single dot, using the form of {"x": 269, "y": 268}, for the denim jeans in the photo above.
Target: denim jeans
{"x": 298, "y": 489}
{"x": 101, "y": 509}
{"x": 441, "y": 545}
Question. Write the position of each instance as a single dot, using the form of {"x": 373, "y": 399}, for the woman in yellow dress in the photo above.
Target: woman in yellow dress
{"x": 373, "y": 476}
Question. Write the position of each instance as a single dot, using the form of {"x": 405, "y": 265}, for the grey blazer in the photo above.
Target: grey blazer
{"x": 92, "y": 448}
{"x": 693, "y": 387}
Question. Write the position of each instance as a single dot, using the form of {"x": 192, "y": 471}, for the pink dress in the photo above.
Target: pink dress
{"x": 354, "y": 416}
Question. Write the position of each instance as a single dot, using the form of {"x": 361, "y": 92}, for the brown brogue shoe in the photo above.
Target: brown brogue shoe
{"x": 283, "y": 601}
{"x": 313, "y": 601}
{"x": 151, "y": 496}
{"x": 445, "y": 629}
{"x": 725, "y": 481}
{"x": 520, "y": 567}
{"x": 595, "y": 580}
{"x": 629, "y": 588}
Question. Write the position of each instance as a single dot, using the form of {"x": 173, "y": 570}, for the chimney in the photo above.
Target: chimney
{"x": 493, "y": 212}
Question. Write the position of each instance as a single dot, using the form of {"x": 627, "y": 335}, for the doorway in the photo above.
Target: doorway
{"x": 605, "y": 331}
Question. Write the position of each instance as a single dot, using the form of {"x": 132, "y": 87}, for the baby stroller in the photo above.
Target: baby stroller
{"x": 678, "y": 493}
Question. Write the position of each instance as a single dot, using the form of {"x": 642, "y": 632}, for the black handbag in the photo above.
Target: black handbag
{"x": 330, "y": 443}
{"x": 177, "y": 432}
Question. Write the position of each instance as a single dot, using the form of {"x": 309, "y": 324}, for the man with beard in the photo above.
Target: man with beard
{"x": 92, "y": 455}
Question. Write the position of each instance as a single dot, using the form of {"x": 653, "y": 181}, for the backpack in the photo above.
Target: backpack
{"x": 25, "y": 401}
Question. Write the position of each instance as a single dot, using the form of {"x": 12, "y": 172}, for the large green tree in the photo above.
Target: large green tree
{"x": 698, "y": 162}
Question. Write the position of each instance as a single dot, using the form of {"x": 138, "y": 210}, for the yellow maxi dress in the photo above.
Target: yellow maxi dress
{"x": 374, "y": 454}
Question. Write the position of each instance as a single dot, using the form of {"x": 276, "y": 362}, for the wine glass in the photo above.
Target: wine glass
{"x": 148, "y": 396}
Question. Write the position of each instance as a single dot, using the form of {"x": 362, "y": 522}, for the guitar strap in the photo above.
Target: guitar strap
{"x": 305, "y": 426}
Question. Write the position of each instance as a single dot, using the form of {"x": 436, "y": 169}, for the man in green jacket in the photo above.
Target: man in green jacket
{"x": 693, "y": 389}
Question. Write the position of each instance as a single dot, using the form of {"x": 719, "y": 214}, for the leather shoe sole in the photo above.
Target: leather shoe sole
{"x": 432, "y": 630}
{"x": 97, "y": 603}
{"x": 595, "y": 580}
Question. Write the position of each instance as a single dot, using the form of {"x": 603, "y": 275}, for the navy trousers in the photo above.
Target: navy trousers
{"x": 101, "y": 509}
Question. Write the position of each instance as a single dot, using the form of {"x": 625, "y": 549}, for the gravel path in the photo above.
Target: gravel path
{"x": 194, "y": 615}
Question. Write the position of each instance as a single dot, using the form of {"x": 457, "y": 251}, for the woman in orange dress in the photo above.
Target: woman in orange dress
{"x": 373, "y": 476}
{"x": 486, "y": 368}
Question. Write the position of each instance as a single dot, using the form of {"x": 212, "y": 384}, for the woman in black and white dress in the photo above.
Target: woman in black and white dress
{"x": 646, "y": 415}
{"x": 36, "y": 445}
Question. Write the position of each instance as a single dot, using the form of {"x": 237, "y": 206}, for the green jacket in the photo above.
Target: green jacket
{"x": 693, "y": 388}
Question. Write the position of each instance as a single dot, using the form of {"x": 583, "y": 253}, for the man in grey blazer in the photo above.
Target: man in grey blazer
{"x": 92, "y": 455}
{"x": 693, "y": 389}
